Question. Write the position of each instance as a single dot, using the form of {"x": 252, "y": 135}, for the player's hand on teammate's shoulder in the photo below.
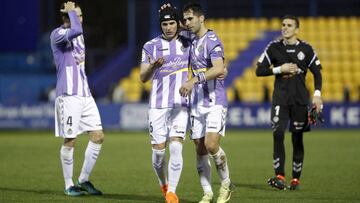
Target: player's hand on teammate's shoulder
{"x": 68, "y": 6}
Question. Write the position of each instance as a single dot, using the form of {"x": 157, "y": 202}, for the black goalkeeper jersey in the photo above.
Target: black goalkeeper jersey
{"x": 290, "y": 90}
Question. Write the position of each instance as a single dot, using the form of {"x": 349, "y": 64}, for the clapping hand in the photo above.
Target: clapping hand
{"x": 68, "y": 6}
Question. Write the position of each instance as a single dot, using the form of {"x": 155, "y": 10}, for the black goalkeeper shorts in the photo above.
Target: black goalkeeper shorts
{"x": 297, "y": 115}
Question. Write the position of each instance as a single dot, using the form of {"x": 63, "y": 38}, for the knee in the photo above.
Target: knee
{"x": 212, "y": 146}
{"x": 97, "y": 137}
{"x": 175, "y": 149}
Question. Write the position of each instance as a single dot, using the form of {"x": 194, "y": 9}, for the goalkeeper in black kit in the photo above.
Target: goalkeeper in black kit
{"x": 290, "y": 58}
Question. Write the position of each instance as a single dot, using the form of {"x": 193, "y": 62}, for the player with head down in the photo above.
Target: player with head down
{"x": 208, "y": 102}
{"x": 165, "y": 62}
{"x": 75, "y": 108}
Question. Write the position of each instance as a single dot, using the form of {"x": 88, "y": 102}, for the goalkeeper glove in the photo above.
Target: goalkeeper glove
{"x": 314, "y": 116}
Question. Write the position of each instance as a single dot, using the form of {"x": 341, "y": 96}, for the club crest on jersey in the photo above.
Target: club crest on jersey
{"x": 301, "y": 56}
{"x": 182, "y": 48}
{"x": 200, "y": 48}
{"x": 69, "y": 132}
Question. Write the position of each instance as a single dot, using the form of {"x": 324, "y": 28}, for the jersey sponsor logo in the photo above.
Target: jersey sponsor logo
{"x": 163, "y": 49}
{"x": 298, "y": 123}
{"x": 301, "y": 56}
{"x": 290, "y": 50}
{"x": 176, "y": 63}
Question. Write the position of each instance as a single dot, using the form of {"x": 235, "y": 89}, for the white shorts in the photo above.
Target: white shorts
{"x": 207, "y": 119}
{"x": 166, "y": 123}
{"x": 75, "y": 115}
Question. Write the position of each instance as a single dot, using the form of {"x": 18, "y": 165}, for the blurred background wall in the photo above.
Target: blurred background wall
{"x": 115, "y": 31}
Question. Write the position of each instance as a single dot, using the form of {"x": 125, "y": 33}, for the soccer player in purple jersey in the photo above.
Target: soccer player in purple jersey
{"x": 165, "y": 61}
{"x": 75, "y": 108}
{"x": 208, "y": 102}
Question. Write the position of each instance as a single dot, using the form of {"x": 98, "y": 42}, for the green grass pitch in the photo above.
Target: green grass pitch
{"x": 30, "y": 168}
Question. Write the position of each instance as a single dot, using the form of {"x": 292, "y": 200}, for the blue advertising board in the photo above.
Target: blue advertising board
{"x": 134, "y": 116}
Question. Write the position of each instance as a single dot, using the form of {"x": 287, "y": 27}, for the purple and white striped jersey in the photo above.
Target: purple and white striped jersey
{"x": 168, "y": 79}
{"x": 203, "y": 50}
{"x": 68, "y": 49}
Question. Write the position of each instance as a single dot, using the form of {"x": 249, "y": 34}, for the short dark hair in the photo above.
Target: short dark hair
{"x": 195, "y": 8}
{"x": 296, "y": 19}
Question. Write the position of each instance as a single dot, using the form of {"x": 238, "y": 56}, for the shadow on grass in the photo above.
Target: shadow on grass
{"x": 138, "y": 198}
{"x": 31, "y": 191}
{"x": 251, "y": 186}
{"x": 129, "y": 197}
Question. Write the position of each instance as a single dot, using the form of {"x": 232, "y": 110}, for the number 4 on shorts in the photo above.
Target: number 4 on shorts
{"x": 69, "y": 121}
